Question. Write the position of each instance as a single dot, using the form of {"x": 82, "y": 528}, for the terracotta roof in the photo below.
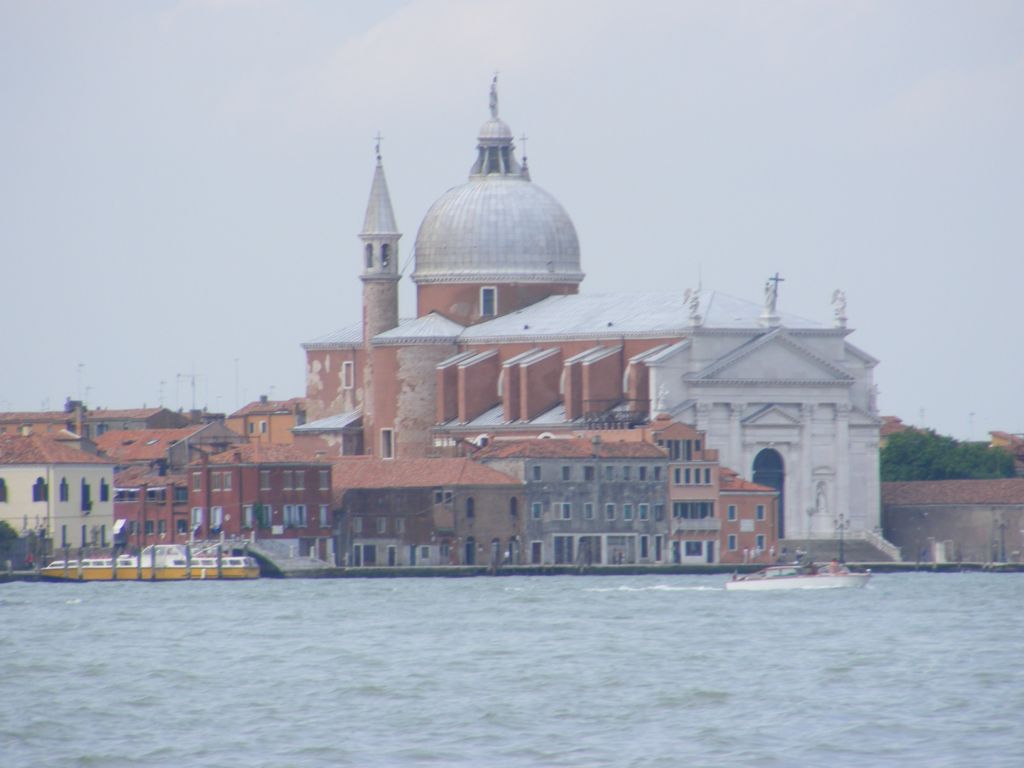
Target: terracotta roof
{"x": 892, "y": 425}
{"x": 369, "y": 472}
{"x": 38, "y": 449}
{"x": 133, "y": 477}
{"x": 31, "y": 417}
{"x": 102, "y": 414}
{"x": 573, "y": 448}
{"x": 1006, "y": 490}
{"x": 270, "y": 406}
{"x": 142, "y": 444}
{"x": 257, "y": 453}
{"x": 729, "y": 480}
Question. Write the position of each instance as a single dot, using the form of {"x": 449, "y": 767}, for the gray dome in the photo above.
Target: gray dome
{"x": 497, "y": 228}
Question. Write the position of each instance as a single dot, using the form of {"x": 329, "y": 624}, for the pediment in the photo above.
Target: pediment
{"x": 774, "y": 357}
{"x": 771, "y": 415}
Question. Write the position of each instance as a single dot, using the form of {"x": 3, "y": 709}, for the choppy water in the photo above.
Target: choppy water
{"x": 917, "y": 669}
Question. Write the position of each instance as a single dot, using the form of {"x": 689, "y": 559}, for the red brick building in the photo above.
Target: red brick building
{"x": 416, "y": 512}
{"x": 259, "y": 491}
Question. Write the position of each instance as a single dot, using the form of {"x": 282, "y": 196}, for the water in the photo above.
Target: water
{"x": 916, "y": 669}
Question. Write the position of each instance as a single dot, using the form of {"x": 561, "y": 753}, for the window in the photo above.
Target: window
{"x": 382, "y": 525}
{"x": 215, "y": 481}
{"x": 369, "y": 255}
{"x": 300, "y": 479}
{"x": 263, "y": 427}
{"x": 627, "y": 511}
{"x": 197, "y": 517}
{"x": 565, "y": 511}
{"x": 759, "y": 541}
{"x": 348, "y": 374}
{"x": 357, "y": 524}
{"x": 385, "y": 255}
{"x": 488, "y": 302}
{"x": 180, "y": 493}
{"x": 644, "y": 511}
{"x": 535, "y": 470}
{"x": 216, "y": 518}
{"x": 197, "y": 481}
{"x": 677, "y": 475}
{"x": 566, "y": 473}
{"x": 3, "y": 490}
{"x": 693, "y": 510}
{"x": 707, "y": 476}
{"x": 641, "y": 473}
{"x": 731, "y": 513}
{"x": 399, "y": 525}
{"x": 536, "y": 510}
{"x": 659, "y": 512}
{"x": 264, "y": 479}
{"x": 181, "y": 526}
{"x": 247, "y": 516}
{"x": 325, "y": 479}
{"x": 387, "y": 446}
{"x": 588, "y": 473}
{"x": 161, "y": 527}
{"x": 86, "y": 497}
{"x": 588, "y": 510}
{"x": 627, "y": 473}
{"x": 609, "y": 511}
{"x": 301, "y": 518}
{"x": 252, "y": 427}
{"x": 63, "y": 489}
{"x": 104, "y": 490}
{"x": 324, "y": 516}
{"x": 657, "y": 473}
{"x": 39, "y": 490}
{"x": 645, "y": 546}
{"x": 227, "y": 481}
{"x": 694, "y": 548}
{"x": 609, "y": 473}
{"x": 732, "y": 542}
{"x": 686, "y": 476}
{"x": 470, "y": 507}
{"x": 425, "y": 552}
{"x": 287, "y": 479}
{"x": 760, "y": 511}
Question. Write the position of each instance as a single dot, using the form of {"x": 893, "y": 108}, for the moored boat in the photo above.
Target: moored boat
{"x": 158, "y": 562}
{"x": 799, "y": 576}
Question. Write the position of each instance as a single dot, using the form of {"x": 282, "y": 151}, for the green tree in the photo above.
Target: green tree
{"x": 7, "y": 533}
{"x": 924, "y": 455}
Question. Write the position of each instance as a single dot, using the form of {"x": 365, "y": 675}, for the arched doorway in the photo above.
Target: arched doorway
{"x": 769, "y": 470}
{"x": 470, "y": 552}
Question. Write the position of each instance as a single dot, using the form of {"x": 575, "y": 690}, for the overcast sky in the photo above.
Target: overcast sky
{"x": 181, "y": 182}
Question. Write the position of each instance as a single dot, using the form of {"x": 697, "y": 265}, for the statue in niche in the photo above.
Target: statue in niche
{"x": 820, "y": 499}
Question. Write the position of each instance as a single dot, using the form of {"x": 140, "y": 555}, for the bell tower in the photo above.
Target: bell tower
{"x": 380, "y": 276}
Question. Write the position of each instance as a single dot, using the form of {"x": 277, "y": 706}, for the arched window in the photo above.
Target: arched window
{"x": 769, "y": 469}
{"x": 369, "y": 255}
{"x": 64, "y": 489}
{"x": 385, "y": 255}
{"x": 39, "y": 490}
{"x": 3, "y": 490}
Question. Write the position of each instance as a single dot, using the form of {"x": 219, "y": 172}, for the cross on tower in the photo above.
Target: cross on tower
{"x": 378, "y": 138}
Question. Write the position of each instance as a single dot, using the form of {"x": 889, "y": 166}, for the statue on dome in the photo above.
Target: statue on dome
{"x": 771, "y": 294}
{"x": 494, "y": 97}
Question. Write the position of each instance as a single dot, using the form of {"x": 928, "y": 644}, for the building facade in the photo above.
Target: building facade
{"x": 504, "y": 344}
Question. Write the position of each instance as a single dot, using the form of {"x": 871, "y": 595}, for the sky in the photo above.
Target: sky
{"x": 182, "y": 182}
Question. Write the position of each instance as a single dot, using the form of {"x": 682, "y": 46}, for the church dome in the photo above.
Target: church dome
{"x": 499, "y": 226}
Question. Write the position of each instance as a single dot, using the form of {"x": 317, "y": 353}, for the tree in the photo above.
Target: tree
{"x": 7, "y": 533}
{"x": 924, "y": 455}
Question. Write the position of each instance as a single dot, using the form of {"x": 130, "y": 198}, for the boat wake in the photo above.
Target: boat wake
{"x": 654, "y": 588}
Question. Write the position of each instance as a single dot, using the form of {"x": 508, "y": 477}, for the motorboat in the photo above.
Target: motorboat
{"x": 158, "y": 562}
{"x": 800, "y": 576}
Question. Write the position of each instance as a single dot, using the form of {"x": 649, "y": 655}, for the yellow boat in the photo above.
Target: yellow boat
{"x": 159, "y": 562}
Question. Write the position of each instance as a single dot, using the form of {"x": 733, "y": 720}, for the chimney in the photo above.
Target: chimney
{"x": 263, "y": 398}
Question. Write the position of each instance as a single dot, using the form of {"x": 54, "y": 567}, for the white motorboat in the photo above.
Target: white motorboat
{"x": 797, "y": 576}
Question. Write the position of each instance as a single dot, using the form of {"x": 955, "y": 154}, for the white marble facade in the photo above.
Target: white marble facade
{"x": 805, "y": 393}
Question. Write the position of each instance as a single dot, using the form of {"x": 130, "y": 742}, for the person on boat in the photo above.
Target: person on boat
{"x": 834, "y": 568}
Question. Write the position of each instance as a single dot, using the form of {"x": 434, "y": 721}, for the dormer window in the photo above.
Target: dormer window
{"x": 488, "y": 302}
{"x": 369, "y": 255}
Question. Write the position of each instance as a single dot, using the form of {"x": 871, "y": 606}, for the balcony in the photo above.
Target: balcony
{"x": 701, "y": 524}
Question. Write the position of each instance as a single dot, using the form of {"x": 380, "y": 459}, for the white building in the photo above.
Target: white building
{"x": 46, "y": 486}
